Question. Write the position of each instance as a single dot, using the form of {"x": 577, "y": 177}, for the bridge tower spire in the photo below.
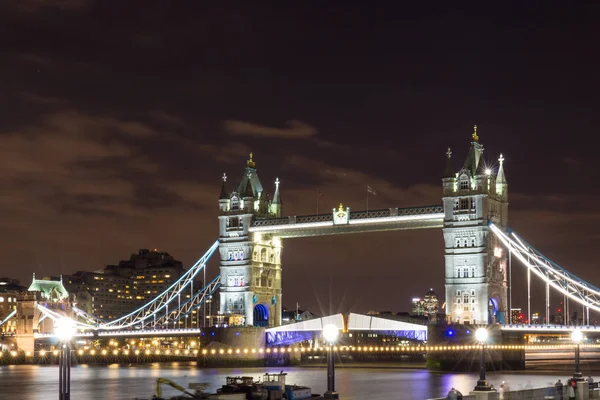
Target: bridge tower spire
{"x": 250, "y": 292}
{"x": 475, "y": 262}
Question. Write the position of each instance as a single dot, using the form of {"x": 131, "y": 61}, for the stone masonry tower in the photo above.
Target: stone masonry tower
{"x": 250, "y": 292}
{"x": 476, "y": 263}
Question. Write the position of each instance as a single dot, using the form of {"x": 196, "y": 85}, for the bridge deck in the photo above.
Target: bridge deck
{"x": 358, "y": 221}
{"x": 550, "y": 328}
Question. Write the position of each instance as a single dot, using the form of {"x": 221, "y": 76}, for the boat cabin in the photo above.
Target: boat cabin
{"x": 240, "y": 380}
{"x": 274, "y": 380}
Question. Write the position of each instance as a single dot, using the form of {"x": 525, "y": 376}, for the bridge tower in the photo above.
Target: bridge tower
{"x": 476, "y": 263}
{"x": 250, "y": 292}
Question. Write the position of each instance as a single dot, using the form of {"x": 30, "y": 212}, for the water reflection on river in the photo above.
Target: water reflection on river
{"x": 127, "y": 382}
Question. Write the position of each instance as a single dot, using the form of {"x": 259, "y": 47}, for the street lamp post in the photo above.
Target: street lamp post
{"x": 330, "y": 333}
{"x": 576, "y": 337}
{"x": 64, "y": 329}
{"x": 483, "y": 385}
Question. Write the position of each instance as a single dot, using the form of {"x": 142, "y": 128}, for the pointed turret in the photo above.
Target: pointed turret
{"x": 277, "y": 203}
{"x": 501, "y": 184}
{"x": 248, "y": 196}
{"x": 251, "y": 175}
{"x": 474, "y": 156}
{"x": 449, "y": 178}
{"x": 224, "y": 196}
{"x": 248, "y": 192}
{"x": 449, "y": 171}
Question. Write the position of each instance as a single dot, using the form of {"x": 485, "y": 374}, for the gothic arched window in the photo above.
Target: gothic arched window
{"x": 464, "y": 182}
{"x": 263, "y": 255}
{"x": 235, "y": 203}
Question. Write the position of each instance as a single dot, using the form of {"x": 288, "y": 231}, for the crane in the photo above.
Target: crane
{"x": 163, "y": 381}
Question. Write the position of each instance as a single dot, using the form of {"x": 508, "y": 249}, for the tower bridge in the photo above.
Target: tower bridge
{"x": 252, "y": 226}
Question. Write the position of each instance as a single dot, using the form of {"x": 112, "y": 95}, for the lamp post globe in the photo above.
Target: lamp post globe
{"x": 481, "y": 334}
{"x": 330, "y": 333}
{"x": 577, "y": 337}
{"x": 64, "y": 329}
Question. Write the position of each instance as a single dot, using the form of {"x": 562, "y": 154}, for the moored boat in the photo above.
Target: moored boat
{"x": 275, "y": 384}
{"x": 272, "y": 387}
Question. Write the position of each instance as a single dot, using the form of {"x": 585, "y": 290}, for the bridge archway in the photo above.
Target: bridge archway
{"x": 261, "y": 315}
{"x": 495, "y": 308}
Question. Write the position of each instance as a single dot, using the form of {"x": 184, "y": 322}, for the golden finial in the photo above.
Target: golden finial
{"x": 341, "y": 207}
{"x": 250, "y": 163}
{"x": 475, "y": 137}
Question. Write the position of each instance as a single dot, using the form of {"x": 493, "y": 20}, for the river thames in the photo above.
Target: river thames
{"x": 92, "y": 382}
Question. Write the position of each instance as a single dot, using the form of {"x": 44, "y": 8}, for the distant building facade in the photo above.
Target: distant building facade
{"x": 516, "y": 316}
{"x": 11, "y": 292}
{"x": 119, "y": 289}
{"x": 428, "y": 306}
{"x": 49, "y": 289}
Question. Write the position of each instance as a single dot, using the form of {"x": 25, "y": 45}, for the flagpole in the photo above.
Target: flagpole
{"x": 318, "y": 195}
{"x": 367, "y": 200}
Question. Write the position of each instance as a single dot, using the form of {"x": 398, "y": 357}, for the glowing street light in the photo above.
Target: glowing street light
{"x": 577, "y": 337}
{"x": 483, "y": 385}
{"x": 330, "y": 333}
{"x": 64, "y": 329}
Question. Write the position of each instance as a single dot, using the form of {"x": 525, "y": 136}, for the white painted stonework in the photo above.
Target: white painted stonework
{"x": 475, "y": 262}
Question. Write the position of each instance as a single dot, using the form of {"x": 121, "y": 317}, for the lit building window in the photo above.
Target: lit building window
{"x": 464, "y": 183}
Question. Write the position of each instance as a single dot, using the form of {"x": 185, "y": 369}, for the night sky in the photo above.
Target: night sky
{"x": 117, "y": 120}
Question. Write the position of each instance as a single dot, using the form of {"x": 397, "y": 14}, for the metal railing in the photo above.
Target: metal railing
{"x": 382, "y": 213}
{"x": 543, "y": 393}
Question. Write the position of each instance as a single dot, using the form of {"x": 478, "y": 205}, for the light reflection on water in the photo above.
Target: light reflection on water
{"x": 127, "y": 382}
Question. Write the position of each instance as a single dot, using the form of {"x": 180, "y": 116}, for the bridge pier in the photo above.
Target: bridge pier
{"x": 27, "y": 321}
{"x": 464, "y": 335}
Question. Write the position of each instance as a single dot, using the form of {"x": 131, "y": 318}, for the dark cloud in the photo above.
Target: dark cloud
{"x": 293, "y": 130}
{"x": 42, "y": 100}
{"x": 29, "y": 7}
